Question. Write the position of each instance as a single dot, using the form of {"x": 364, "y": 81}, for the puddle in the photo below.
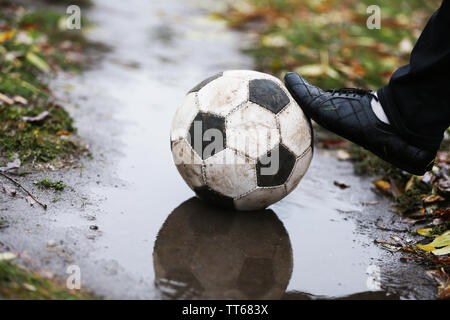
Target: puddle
{"x": 309, "y": 246}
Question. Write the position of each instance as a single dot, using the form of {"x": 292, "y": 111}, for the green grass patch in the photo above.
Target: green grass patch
{"x": 34, "y": 44}
{"x": 48, "y": 184}
{"x": 17, "y": 282}
{"x": 328, "y": 40}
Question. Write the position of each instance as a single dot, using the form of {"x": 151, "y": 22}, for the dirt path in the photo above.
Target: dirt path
{"x": 123, "y": 109}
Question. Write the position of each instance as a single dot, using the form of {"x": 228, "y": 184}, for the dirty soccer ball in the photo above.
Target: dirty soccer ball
{"x": 240, "y": 140}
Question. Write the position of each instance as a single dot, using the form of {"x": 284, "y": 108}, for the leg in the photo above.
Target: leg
{"x": 416, "y": 100}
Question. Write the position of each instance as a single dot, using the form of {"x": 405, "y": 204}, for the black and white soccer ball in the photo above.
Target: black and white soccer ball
{"x": 240, "y": 140}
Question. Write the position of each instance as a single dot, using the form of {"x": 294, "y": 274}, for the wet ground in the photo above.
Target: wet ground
{"x": 127, "y": 218}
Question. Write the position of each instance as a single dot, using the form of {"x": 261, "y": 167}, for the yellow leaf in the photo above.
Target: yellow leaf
{"x": 5, "y": 36}
{"x": 38, "y": 62}
{"x": 383, "y": 186}
{"x": 441, "y": 241}
{"x": 425, "y": 247}
{"x": 426, "y": 232}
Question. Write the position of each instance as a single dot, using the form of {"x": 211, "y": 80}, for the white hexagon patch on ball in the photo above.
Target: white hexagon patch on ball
{"x": 240, "y": 140}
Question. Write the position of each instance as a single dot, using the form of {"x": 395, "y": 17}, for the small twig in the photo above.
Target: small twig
{"x": 411, "y": 258}
{"x": 384, "y": 228}
{"x": 23, "y": 188}
{"x": 394, "y": 244}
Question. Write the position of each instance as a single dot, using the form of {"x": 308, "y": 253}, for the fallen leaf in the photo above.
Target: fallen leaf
{"x": 426, "y": 232}
{"x": 20, "y": 99}
{"x": 410, "y": 183}
{"x": 342, "y": 155}
{"x": 383, "y": 186}
{"x": 439, "y": 246}
{"x": 316, "y": 70}
{"x": 37, "y": 118}
{"x": 391, "y": 246}
{"x": 432, "y": 198}
{"x": 37, "y": 61}
{"x": 276, "y": 41}
{"x": 442, "y": 251}
{"x": 29, "y": 287}
{"x": 7, "y": 35}
{"x": 442, "y": 240}
{"x": 425, "y": 247}
{"x": 63, "y": 133}
{"x": 7, "y": 256}
{"x": 6, "y": 99}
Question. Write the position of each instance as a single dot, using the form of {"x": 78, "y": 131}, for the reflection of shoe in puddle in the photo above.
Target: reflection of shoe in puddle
{"x": 209, "y": 253}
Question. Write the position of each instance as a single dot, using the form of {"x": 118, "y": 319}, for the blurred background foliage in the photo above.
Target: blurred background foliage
{"x": 328, "y": 40}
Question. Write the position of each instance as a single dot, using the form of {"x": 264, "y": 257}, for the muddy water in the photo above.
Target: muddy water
{"x": 152, "y": 240}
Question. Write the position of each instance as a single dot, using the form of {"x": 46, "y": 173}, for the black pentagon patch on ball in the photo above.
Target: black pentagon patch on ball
{"x": 274, "y": 168}
{"x": 205, "y": 82}
{"x": 207, "y": 134}
{"x": 268, "y": 94}
{"x": 213, "y": 197}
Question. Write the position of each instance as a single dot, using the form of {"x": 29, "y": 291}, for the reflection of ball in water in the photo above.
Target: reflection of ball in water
{"x": 239, "y": 139}
{"x": 202, "y": 252}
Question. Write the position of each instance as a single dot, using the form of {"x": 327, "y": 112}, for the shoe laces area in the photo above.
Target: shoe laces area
{"x": 353, "y": 92}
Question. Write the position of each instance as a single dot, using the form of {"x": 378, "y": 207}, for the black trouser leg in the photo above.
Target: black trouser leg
{"x": 417, "y": 98}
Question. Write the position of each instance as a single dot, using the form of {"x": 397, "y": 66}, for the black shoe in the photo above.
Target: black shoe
{"x": 348, "y": 113}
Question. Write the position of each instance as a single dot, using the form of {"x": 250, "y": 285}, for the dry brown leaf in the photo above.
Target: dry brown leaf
{"x": 433, "y": 198}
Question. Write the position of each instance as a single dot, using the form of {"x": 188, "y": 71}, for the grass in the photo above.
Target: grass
{"x": 48, "y": 184}
{"x": 17, "y": 282}
{"x": 34, "y": 46}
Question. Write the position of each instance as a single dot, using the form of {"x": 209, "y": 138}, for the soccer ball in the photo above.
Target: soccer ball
{"x": 205, "y": 252}
{"x": 240, "y": 140}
